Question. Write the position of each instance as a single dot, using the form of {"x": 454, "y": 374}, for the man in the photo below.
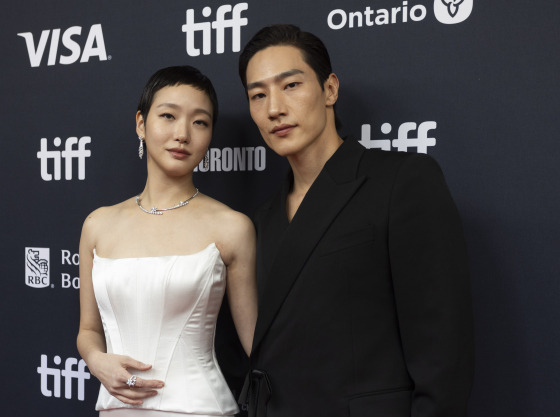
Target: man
{"x": 364, "y": 305}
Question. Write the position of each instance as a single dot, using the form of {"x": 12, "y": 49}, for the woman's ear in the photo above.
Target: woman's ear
{"x": 331, "y": 89}
{"x": 140, "y": 125}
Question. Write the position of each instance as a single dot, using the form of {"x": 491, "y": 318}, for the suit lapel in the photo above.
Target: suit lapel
{"x": 330, "y": 192}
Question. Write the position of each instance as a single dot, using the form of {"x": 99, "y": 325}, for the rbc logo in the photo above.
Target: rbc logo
{"x": 219, "y": 25}
{"x": 452, "y": 11}
{"x": 94, "y": 46}
{"x": 50, "y": 390}
{"x": 67, "y": 154}
{"x": 37, "y": 267}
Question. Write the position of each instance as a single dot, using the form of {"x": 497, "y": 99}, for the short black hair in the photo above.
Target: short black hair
{"x": 177, "y": 75}
{"x": 313, "y": 51}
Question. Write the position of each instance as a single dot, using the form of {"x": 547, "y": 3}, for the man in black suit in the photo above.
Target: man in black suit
{"x": 364, "y": 297}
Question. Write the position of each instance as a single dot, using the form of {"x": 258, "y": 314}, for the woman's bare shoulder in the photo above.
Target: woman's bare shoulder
{"x": 226, "y": 217}
{"x": 232, "y": 230}
{"x": 106, "y": 216}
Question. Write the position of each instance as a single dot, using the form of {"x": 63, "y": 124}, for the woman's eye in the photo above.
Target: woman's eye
{"x": 167, "y": 116}
{"x": 201, "y": 123}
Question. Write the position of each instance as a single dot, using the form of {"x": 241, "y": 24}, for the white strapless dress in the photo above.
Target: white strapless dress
{"x": 162, "y": 311}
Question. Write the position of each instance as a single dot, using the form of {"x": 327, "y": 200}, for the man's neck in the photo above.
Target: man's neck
{"x": 307, "y": 164}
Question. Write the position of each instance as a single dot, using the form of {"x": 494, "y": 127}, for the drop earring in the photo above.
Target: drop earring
{"x": 141, "y": 147}
{"x": 206, "y": 163}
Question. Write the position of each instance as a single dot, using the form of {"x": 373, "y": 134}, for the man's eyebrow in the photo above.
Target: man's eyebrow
{"x": 276, "y": 78}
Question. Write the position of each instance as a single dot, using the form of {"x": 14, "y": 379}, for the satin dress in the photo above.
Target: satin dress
{"x": 162, "y": 311}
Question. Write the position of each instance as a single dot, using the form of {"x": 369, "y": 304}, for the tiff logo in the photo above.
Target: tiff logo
{"x": 37, "y": 267}
{"x": 404, "y": 140}
{"x": 48, "y": 390}
{"x": 94, "y": 46}
{"x": 219, "y": 25}
{"x": 68, "y": 154}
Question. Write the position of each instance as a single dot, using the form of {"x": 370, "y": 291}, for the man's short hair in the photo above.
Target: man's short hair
{"x": 312, "y": 49}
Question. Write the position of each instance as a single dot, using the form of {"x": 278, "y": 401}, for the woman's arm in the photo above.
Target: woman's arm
{"x": 111, "y": 370}
{"x": 241, "y": 282}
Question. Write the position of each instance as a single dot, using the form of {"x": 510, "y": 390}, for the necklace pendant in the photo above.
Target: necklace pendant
{"x": 154, "y": 210}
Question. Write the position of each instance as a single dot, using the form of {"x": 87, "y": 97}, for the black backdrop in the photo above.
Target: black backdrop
{"x": 480, "y": 95}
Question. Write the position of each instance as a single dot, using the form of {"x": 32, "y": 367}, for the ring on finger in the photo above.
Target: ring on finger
{"x": 131, "y": 381}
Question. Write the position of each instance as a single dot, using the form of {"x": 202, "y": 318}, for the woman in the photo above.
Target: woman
{"x": 154, "y": 268}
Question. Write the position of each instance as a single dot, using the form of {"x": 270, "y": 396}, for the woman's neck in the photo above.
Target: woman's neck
{"x": 167, "y": 191}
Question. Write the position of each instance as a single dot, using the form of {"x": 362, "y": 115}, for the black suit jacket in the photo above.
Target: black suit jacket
{"x": 364, "y": 298}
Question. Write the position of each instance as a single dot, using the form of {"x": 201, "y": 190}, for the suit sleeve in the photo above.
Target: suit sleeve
{"x": 432, "y": 290}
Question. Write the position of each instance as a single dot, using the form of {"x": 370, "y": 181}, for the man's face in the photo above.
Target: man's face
{"x": 286, "y": 101}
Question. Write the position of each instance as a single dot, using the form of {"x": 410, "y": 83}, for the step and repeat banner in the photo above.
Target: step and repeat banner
{"x": 473, "y": 83}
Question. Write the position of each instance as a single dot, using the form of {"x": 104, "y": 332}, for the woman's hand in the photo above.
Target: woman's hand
{"x": 115, "y": 370}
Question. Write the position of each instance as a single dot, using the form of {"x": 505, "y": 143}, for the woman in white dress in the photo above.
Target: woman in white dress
{"x": 154, "y": 268}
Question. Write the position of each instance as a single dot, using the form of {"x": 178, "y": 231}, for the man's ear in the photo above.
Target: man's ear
{"x": 331, "y": 89}
{"x": 140, "y": 125}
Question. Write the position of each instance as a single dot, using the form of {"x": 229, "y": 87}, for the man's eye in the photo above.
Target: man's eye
{"x": 292, "y": 85}
{"x": 257, "y": 96}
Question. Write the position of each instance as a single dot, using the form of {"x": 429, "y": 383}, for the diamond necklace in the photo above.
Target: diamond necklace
{"x": 157, "y": 211}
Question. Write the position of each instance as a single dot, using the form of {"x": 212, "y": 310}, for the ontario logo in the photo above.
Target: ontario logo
{"x": 37, "y": 261}
{"x": 445, "y": 11}
{"x": 450, "y": 12}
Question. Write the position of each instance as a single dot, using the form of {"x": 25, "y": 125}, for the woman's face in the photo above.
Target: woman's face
{"x": 177, "y": 129}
